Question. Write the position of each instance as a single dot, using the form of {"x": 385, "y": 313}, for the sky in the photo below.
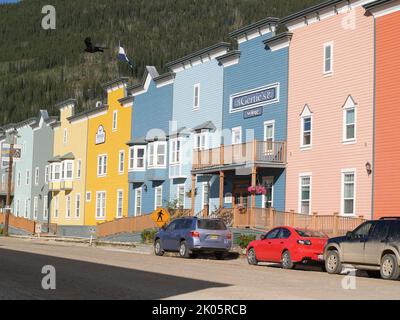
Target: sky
{"x": 8, "y": 1}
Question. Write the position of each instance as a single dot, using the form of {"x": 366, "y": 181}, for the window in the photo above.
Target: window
{"x": 158, "y": 198}
{"x": 28, "y": 177}
{"x": 100, "y": 205}
{"x": 268, "y": 184}
{"x": 348, "y": 193}
{"x": 102, "y": 165}
{"x": 45, "y": 207}
{"x": 18, "y": 179}
{"x": 46, "y": 175}
{"x": 157, "y": 154}
{"x": 35, "y": 208}
{"x": 138, "y": 202}
{"x": 77, "y": 205}
{"x": 237, "y": 135}
{"x": 205, "y": 195}
{"x": 56, "y": 207}
{"x": 65, "y": 138}
{"x": 306, "y": 131}
{"x": 115, "y": 120}
{"x": 305, "y": 194}
{"x": 181, "y": 196}
{"x": 175, "y": 151}
{"x": 349, "y": 120}
{"x": 37, "y": 176}
{"x": 27, "y": 208}
{"x": 88, "y": 196}
{"x": 68, "y": 207}
{"x": 17, "y": 208}
{"x": 121, "y": 165}
{"x": 363, "y": 231}
{"x": 328, "y": 58}
{"x": 137, "y": 158}
{"x": 200, "y": 141}
{"x": 196, "y": 97}
{"x": 69, "y": 170}
{"x": 79, "y": 169}
{"x": 269, "y": 131}
{"x": 57, "y": 172}
{"x": 120, "y": 203}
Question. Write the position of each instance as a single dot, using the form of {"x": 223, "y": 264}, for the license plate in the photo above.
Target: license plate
{"x": 321, "y": 257}
{"x": 213, "y": 237}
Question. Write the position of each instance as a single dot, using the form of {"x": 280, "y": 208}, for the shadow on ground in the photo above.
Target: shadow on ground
{"x": 21, "y": 278}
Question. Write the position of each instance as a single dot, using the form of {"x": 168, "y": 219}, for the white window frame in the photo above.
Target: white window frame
{"x": 68, "y": 207}
{"x": 302, "y": 145}
{"x": 102, "y": 160}
{"x": 115, "y": 121}
{"x": 138, "y": 191}
{"x": 342, "y": 199}
{"x": 330, "y": 71}
{"x": 66, "y": 171}
{"x": 178, "y": 194}
{"x": 56, "y": 207}
{"x": 134, "y": 161}
{"x": 17, "y": 208}
{"x": 120, "y": 204}
{"x": 103, "y": 210}
{"x": 18, "y": 179}
{"x": 272, "y": 179}
{"x": 154, "y": 146}
{"x": 121, "y": 161}
{"x": 268, "y": 124}
{"x": 196, "y": 87}
{"x": 37, "y": 172}
{"x": 78, "y": 169}
{"x": 345, "y": 138}
{"x": 78, "y": 200}
{"x": 28, "y": 177}
{"x": 54, "y": 171}
{"x": 45, "y": 207}
{"x": 46, "y": 174}
{"x": 65, "y": 137}
{"x": 199, "y": 138}
{"x": 234, "y": 132}
{"x": 301, "y": 176}
{"x": 203, "y": 194}
{"x": 158, "y": 189}
{"x": 88, "y": 197}
{"x": 174, "y": 152}
{"x": 35, "y": 208}
{"x": 27, "y": 208}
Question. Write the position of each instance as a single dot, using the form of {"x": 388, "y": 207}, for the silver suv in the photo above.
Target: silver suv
{"x": 374, "y": 246}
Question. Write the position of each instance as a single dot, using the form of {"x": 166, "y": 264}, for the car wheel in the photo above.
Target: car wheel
{"x": 286, "y": 260}
{"x": 333, "y": 265}
{"x": 389, "y": 267}
{"x": 184, "y": 250}
{"x": 158, "y": 249}
{"x": 251, "y": 257}
{"x": 373, "y": 274}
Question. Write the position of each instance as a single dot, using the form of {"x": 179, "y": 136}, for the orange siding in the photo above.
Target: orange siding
{"x": 387, "y": 150}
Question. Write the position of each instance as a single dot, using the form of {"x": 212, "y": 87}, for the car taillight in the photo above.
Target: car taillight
{"x": 229, "y": 236}
{"x": 195, "y": 234}
{"x": 304, "y": 242}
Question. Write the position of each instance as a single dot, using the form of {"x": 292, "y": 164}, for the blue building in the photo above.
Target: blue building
{"x": 196, "y": 126}
{"x": 255, "y": 98}
{"x": 148, "y": 153}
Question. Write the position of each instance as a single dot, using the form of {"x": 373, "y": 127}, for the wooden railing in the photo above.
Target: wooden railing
{"x": 125, "y": 225}
{"x": 251, "y": 152}
{"x": 266, "y": 219}
{"x": 19, "y": 223}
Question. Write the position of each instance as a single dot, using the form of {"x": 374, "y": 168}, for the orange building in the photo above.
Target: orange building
{"x": 387, "y": 108}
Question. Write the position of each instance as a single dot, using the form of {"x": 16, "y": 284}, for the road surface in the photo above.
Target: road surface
{"x": 84, "y": 272}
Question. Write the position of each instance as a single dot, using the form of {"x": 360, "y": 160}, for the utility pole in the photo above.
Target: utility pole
{"x": 10, "y": 174}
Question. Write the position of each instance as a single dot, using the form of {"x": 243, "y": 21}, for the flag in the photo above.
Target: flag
{"x": 123, "y": 57}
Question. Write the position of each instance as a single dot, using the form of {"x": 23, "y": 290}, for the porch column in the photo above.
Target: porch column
{"x": 253, "y": 196}
{"x": 193, "y": 193}
{"x": 221, "y": 189}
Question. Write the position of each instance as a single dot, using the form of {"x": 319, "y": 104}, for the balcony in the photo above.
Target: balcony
{"x": 67, "y": 185}
{"x": 257, "y": 153}
{"x": 55, "y": 185}
{"x": 4, "y": 188}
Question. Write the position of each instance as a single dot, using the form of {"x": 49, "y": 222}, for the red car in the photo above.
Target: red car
{"x": 288, "y": 246}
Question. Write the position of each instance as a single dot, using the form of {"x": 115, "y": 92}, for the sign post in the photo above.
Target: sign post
{"x": 161, "y": 217}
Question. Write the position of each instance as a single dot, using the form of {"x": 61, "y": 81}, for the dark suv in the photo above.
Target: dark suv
{"x": 374, "y": 246}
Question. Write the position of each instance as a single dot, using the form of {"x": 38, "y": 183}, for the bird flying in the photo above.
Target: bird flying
{"x": 90, "y": 48}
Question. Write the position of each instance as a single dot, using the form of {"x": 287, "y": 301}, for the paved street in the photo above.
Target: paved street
{"x": 115, "y": 273}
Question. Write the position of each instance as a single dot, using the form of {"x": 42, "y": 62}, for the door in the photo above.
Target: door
{"x": 353, "y": 247}
{"x": 269, "y": 138}
{"x": 376, "y": 242}
{"x": 241, "y": 194}
{"x": 265, "y": 246}
{"x": 268, "y": 184}
{"x": 167, "y": 239}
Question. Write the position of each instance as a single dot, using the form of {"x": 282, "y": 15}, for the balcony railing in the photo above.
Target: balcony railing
{"x": 55, "y": 185}
{"x": 67, "y": 185}
{"x": 256, "y": 152}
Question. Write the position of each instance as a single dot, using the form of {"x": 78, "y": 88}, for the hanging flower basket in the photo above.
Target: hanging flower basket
{"x": 257, "y": 190}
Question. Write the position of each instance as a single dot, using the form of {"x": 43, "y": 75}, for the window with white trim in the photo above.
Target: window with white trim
{"x": 17, "y": 208}
{"x": 305, "y": 194}
{"x": 45, "y": 207}
{"x": 100, "y": 205}
{"x": 120, "y": 203}
{"x": 121, "y": 163}
{"x": 78, "y": 169}
{"x": 46, "y": 174}
{"x": 180, "y": 196}
{"x": 65, "y": 138}
{"x": 69, "y": 169}
{"x": 306, "y": 131}
{"x": 157, "y": 153}
{"x": 205, "y": 194}
{"x": 138, "y": 201}
{"x": 175, "y": 151}
{"x": 102, "y": 165}
{"x": 115, "y": 121}
{"x": 328, "y": 58}
{"x": 77, "y": 205}
{"x": 37, "y": 176}
{"x": 56, "y": 208}
{"x": 350, "y": 124}
{"x": 18, "y": 179}
{"x": 137, "y": 158}
{"x": 68, "y": 207}
{"x": 35, "y": 208}
{"x": 348, "y": 193}
{"x": 200, "y": 141}
{"x": 27, "y": 208}
{"x": 158, "y": 197}
{"x": 237, "y": 135}
{"x": 56, "y": 172}
{"x": 88, "y": 196}
{"x": 196, "y": 97}
{"x": 28, "y": 177}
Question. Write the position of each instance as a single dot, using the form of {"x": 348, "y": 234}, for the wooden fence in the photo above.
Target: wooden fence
{"x": 19, "y": 223}
{"x": 266, "y": 219}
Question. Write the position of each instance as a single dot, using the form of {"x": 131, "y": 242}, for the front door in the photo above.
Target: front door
{"x": 241, "y": 194}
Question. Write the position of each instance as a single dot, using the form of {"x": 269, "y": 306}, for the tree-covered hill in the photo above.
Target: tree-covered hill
{"x": 41, "y": 67}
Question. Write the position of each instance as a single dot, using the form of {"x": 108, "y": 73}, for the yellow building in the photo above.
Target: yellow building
{"x": 107, "y": 169}
{"x": 67, "y": 170}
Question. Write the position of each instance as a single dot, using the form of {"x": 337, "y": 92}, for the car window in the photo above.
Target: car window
{"x": 187, "y": 224}
{"x": 209, "y": 224}
{"x": 311, "y": 234}
{"x": 172, "y": 225}
{"x": 381, "y": 230}
{"x": 363, "y": 231}
{"x": 272, "y": 234}
{"x": 284, "y": 233}
{"x": 395, "y": 231}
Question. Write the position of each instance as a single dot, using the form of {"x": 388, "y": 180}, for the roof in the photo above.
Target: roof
{"x": 180, "y": 132}
{"x": 87, "y": 113}
{"x": 309, "y": 10}
{"x": 137, "y": 141}
{"x": 230, "y": 54}
{"x": 209, "y": 125}
{"x": 277, "y": 38}
{"x": 254, "y": 26}
{"x": 55, "y": 159}
{"x": 67, "y": 102}
{"x": 221, "y": 45}
{"x": 68, "y": 156}
{"x": 114, "y": 82}
{"x": 149, "y": 70}
{"x": 377, "y": 4}
{"x": 126, "y": 100}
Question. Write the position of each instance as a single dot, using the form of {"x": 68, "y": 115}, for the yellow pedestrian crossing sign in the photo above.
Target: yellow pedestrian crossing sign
{"x": 161, "y": 217}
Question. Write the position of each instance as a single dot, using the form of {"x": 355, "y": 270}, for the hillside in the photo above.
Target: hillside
{"x": 41, "y": 67}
